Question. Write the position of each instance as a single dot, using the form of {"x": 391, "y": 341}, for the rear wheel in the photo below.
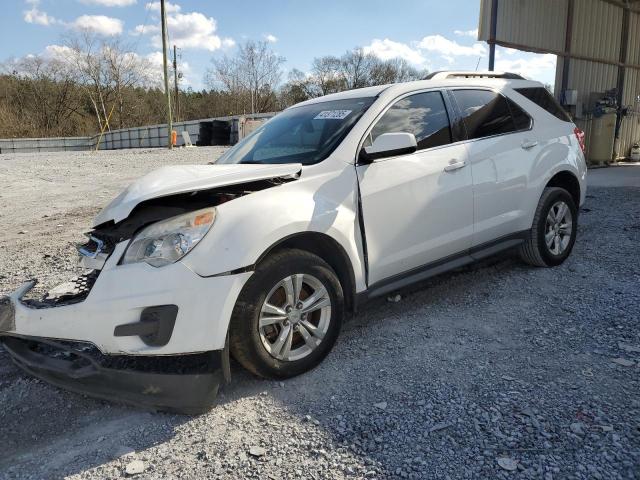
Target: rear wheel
{"x": 288, "y": 315}
{"x": 554, "y": 229}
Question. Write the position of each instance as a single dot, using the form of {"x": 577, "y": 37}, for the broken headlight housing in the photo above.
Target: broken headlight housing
{"x": 168, "y": 241}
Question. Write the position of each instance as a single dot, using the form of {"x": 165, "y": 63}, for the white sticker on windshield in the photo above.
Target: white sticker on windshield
{"x": 333, "y": 115}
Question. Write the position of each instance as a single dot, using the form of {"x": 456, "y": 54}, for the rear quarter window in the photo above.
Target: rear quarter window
{"x": 541, "y": 97}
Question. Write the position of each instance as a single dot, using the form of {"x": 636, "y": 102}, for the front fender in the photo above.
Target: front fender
{"x": 248, "y": 226}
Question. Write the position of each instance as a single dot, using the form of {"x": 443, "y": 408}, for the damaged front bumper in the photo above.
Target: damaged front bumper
{"x": 109, "y": 309}
{"x": 187, "y": 384}
{"x": 150, "y": 337}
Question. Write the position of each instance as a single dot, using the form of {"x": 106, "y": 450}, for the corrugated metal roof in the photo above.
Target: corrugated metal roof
{"x": 633, "y": 49}
{"x": 587, "y": 77}
{"x": 540, "y": 26}
{"x": 538, "y": 23}
{"x": 596, "y": 29}
{"x": 484, "y": 20}
{"x": 631, "y": 89}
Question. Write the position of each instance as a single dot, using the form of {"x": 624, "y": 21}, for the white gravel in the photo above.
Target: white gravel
{"x": 495, "y": 371}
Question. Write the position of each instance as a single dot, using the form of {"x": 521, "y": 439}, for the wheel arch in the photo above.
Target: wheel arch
{"x": 330, "y": 251}
{"x": 569, "y": 181}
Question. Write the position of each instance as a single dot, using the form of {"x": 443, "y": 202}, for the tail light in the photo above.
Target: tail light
{"x": 580, "y": 136}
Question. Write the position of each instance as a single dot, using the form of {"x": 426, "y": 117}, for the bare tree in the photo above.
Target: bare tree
{"x": 299, "y": 87}
{"x": 10, "y": 124}
{"x": 355, "y": 66}
{"x": 393, "y": 71}
{"x": 126, "y": 70}
{"x": 255, "y": 70}
{"x": 43, "y": 90}
{"x": 263, "y": 70}
{"x": 71, "y": 90}
{"x": 104, "y": 68}
{"x": 355, "y": 69}
{"x": 327, "y": 72}
{"x": 92, "y": 72}
{"x": 227, "y": 73}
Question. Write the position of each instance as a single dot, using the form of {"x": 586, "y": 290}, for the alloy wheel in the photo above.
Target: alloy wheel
{"x": 558, "y": 228}
{"x": 295, "y": 317}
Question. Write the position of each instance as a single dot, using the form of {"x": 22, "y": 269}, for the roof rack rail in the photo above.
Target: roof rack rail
{"x": 441, "y": 75}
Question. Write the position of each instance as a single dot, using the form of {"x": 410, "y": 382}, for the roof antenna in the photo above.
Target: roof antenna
{"x": 477, "y": 64}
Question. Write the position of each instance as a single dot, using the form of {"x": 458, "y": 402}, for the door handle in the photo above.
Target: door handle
{"x": 455, "y": 165}
{"x": 528, "y": 144}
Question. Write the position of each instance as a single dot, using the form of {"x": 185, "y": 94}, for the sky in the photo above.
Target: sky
{"x": 429, "y": 34}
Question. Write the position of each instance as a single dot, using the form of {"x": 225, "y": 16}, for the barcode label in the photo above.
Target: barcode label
{"x": 333, "y": 115}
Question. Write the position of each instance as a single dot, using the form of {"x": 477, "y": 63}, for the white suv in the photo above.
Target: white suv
{"x": 263, "y": 254}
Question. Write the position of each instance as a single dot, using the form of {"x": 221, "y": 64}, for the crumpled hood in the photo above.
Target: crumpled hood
{"x": 187, "y": 178}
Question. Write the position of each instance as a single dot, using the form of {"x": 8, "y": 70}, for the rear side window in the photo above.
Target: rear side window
{"x": 486, "y": 113}
{"x": 541, "y": 97}
{"x": 520, "y": 117}
{"x": 423, "y": 114}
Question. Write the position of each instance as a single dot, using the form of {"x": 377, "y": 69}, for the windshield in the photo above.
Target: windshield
{"x": 306, "y": 134}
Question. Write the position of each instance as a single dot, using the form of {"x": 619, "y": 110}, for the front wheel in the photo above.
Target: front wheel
{"x": 554, "y": 229}
{"x": 288, "y": 315}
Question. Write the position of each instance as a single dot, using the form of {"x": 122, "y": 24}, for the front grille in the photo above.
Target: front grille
{"x": 74, "y": 291}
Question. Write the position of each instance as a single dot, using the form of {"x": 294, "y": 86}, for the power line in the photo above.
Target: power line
{"x": 142, "y": 32}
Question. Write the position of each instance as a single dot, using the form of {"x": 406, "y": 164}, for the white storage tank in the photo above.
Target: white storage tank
{"x": 602, "y": 137}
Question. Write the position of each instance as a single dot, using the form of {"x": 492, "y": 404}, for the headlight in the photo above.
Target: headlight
{"x": 168, "y": 241}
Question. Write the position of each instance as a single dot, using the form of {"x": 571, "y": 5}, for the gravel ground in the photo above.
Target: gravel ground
{"x": 494, "y": 371}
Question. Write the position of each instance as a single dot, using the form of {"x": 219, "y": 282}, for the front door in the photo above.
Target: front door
{"x": 417, "y": 208}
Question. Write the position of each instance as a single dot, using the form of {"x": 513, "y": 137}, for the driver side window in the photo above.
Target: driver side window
{"x": 423, "y": 114}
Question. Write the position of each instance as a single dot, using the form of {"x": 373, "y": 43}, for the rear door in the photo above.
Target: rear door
{"x": 502, "y": 153}
{"x": 417, "y": 208}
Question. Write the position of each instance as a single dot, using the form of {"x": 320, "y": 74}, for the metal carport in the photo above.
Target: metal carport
{"x": 598, "y": 47}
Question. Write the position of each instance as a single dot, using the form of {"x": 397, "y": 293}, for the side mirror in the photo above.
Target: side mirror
{"x": 389, "y": 145}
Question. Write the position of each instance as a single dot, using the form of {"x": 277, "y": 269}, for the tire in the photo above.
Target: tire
{"x": 536, "y": 250}
{"x": 255, "y": 344}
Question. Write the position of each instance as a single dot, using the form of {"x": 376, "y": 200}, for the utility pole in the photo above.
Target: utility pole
{"x": 163, "y": 15}
{"x": 175, "y": 79}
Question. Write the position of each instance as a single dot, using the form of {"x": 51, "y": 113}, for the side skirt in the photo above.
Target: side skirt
{"x": 446, "y": 264}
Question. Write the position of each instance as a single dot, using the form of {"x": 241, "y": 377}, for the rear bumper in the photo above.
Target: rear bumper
{"x": 183, "y": 384}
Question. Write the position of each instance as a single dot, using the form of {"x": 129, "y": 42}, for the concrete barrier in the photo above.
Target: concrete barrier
{"x": 150, "y": 136}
